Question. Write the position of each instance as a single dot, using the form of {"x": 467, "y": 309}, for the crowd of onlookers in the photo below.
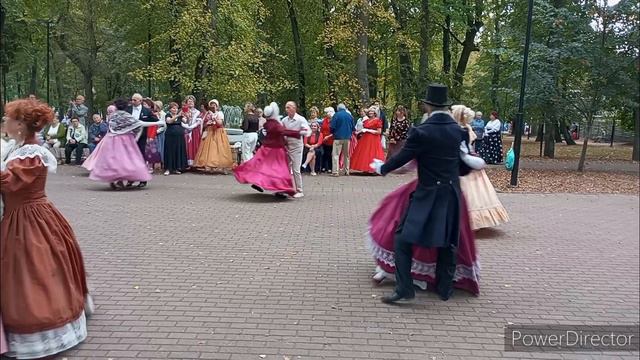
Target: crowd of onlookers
{"x": 339, "y": 142}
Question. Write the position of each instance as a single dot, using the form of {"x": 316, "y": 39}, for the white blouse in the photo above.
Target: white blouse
{"x": 53, "y": 131}
{"x": 493, "y": 126}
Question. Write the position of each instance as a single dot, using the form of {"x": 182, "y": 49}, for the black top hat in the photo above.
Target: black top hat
{"x": 437, "y": 95}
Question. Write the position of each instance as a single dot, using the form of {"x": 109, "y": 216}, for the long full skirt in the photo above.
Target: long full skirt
{"x": 43, "y": 286}
{"x": 353, "y": 143}
{"x": 215, "y": 151}
{"x": 160, "y": 139}
{"x": 90, "y": 162}
{"x": 367, "y": 149}
{"x": 382, "y": 227}
{"x": 119, "y": 160}
{"x": 485, "y": 209}
{"x": 193, "y": 140}
{"x": 491, "y": 150}
{"x": 268, "y": 169}
{"x": 3, "y": 339}
{"x": 175, "y": 151}
{"x": 152, "y": 151}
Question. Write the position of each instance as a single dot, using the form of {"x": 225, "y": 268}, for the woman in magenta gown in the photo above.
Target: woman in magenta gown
{"x": 382, "y": 226}
{"x": 269, "y": 168}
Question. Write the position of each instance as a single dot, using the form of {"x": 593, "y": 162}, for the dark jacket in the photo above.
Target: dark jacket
{"x": 341, "y": 125}
{"x": 432, "y": 216}
{"x": 147, "y": 116}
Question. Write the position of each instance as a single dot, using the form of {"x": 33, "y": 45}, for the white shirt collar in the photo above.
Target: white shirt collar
{"x": 427, "y": 116}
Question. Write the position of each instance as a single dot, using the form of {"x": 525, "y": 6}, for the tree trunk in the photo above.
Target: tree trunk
{"x": 363, "y": 44}
{"x": 495, "y": 79}
{"x": 585, "y": 143}
{"x": 446, "y": 44}
{"x": 474, "y": 24}
{"x": 33, "y": 82}
{"x": 540, "y": 133}
{"x": 567, "y": 136}
{"x": 549, "y": 142}
{"x": 199, "y": 76}
{"x": 425, "y": 42}
{"x": 93, "y": 54}
{"x": 18, "y": 84}
{"x": 636, "y": 136}
{"x": 372, "y": 71}
{"x": 330, "y": 56}
{"x": 550, "y": 135}
{"x": 202, "y": 63}
{"x": 57, "y": 60}
{"x": 85, "y": 60}
{"x": 174, "y": 53}
{"x": 557, "y": 133}
{"x": 87, "y": 83}
{"x": 406, "y": 88}
{"x": 297, "y": 42}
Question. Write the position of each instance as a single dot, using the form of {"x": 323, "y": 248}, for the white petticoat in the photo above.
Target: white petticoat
{"x": 49, "y": 342}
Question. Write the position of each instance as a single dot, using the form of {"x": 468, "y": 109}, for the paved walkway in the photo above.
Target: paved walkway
{"x": 200, "y": 267}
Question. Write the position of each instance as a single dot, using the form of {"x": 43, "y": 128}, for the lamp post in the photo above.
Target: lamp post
{"x": 523, "y": 84}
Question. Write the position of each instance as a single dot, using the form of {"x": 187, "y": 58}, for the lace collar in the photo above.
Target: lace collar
{"x": 32, "y": 151}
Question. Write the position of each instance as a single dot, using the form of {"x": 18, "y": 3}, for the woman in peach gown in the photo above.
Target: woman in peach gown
{"x": 485, "y": 209}
{"x": 214, "y": 153}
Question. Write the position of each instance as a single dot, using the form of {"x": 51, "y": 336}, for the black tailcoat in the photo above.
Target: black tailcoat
{"x": 147, "y": 116}
{"x": 433, "y": 214}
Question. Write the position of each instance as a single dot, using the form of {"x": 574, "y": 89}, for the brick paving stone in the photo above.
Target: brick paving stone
{"x": 199, "y": 266}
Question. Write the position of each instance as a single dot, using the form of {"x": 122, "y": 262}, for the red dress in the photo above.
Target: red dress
{"x": 193, "y": 138}
{"x": 325, "y": 129}
{"x": 369, "y": 147}
{"x": 269, "y": 168}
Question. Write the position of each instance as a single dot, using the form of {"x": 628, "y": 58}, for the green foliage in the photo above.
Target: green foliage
{"x": 245, "y": 50}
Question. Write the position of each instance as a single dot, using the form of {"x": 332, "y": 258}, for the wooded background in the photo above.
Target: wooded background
{"x": 584, "y": 59}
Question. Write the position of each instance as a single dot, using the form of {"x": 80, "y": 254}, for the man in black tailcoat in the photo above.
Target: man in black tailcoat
{"x": 141, "y": 113}
{"x": 433, "y": 214}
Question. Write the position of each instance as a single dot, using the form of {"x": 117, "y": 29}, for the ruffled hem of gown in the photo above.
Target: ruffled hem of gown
{"x": 486, "y": 218}
{"x": 49, "y": 342}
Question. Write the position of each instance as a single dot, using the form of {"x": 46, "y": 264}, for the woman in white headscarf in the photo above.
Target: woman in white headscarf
{"x": 269, "y": 168}
{"x": 214, "y": 153}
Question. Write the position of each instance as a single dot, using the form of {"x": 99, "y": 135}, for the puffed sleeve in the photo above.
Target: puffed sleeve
{"x": 21, "y": 173}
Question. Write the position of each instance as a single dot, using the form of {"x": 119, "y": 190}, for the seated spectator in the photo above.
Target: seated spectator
{"x": 76, "y": 140}
{"x": 313, "y": 149}
{"x": 97, "y": 131}
{"x": 55, "y": 138}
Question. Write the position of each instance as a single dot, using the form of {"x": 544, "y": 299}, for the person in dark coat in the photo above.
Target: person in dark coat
{"x": 432, "y": 216}
{"x": 141, "y": 113}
